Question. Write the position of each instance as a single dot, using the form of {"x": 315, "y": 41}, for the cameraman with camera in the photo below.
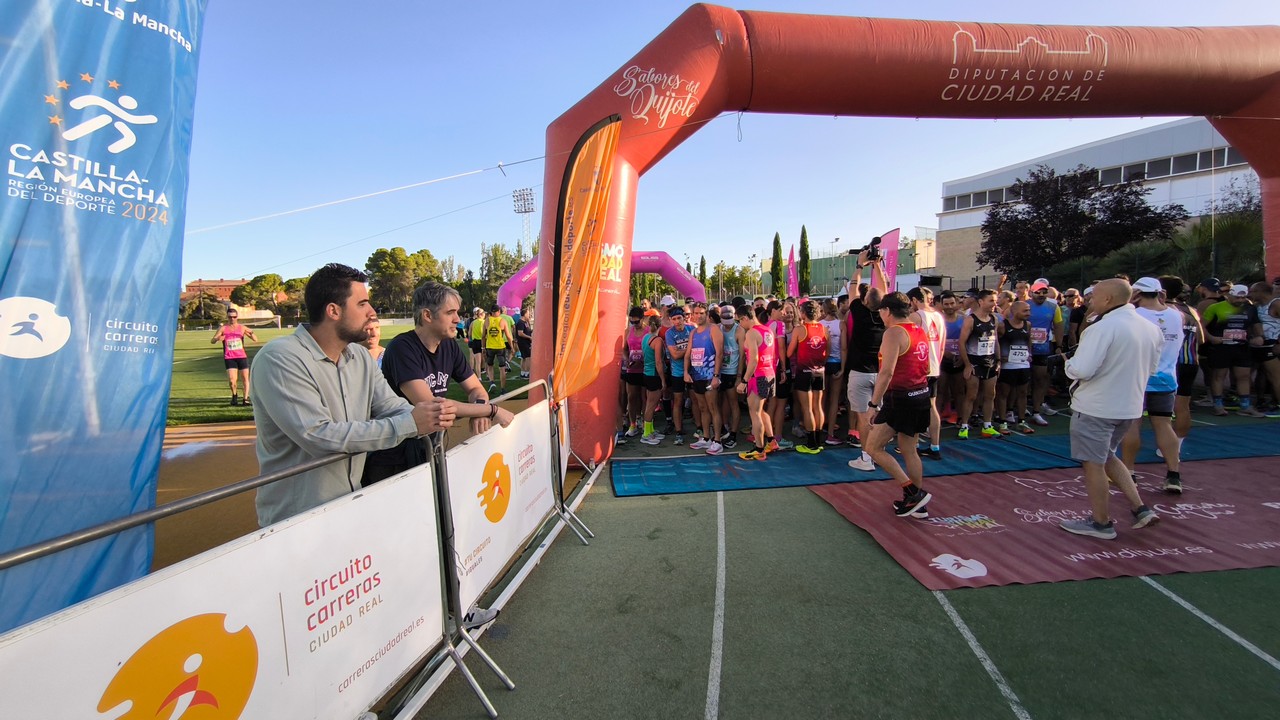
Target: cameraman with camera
{"x": 860, "y": 341}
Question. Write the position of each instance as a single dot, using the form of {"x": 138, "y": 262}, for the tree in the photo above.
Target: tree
{"x": 425, "y": 267}
{"x": 804, "y": 262}
{"x": 688, "y": 267}
{"x": 392, "y": 278}
{"x": 1054, "y": 218}
{"x": 702, "y": 270}
{"x": 205, "y": 306}
{"x": 260, "y": 292}
{"x": 778, "y": 283}
{"x": 292, "y": 306}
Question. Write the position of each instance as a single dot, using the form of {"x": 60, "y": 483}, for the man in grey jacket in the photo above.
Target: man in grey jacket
{"x": 1116, "y": 356}
{"x": 317, "y": 393}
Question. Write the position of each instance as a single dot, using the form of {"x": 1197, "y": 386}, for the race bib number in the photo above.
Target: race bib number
{"x": 1235, "y": 335}
{"x": 234, "y": 344}
{"x": 1019, "y": 355}
{"x": 986, "y": 347}
{"x": 637, "y": 356}
{"x": 697, "y": 355}
{"x": 1039, "y": 336}
{"x": 952, "y": 347}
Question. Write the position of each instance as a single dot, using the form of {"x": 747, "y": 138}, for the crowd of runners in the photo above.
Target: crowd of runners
{"x": 871, "y": 367}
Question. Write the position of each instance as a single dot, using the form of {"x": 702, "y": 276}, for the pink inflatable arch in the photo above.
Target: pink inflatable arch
{"x": 521, "y": 285}
{"x": 713, "y": 60}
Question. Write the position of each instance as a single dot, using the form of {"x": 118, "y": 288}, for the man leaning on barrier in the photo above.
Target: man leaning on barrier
{"x": 418, "y": 366}
{"x": 320, "y": 393}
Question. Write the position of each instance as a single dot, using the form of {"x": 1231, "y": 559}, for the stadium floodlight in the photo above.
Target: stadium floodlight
{"x": 523, "y": 200}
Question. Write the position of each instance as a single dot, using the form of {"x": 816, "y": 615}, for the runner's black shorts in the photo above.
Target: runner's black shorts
{"x": 906, "y": 411}
{"x": 634, "y": 378}
{"x": 832, "y": 371}
{"x": 782, "y": 387}
{"x": 476, "y": 346}
{"x": 1039, "y": 361}
{"x": 236, "y": 363}
{"x": 933, "y": 386}
{"x": 1015, "y": 378}
{"x": 676, "y": 384}
{"x": 984, "y": 367}
{"x": 652, "y": 383}
{"x": 728, "y": 382}
{"x": 1187, "y": 378}
{"x": 1222, "y": 357}
{"x": 809, "y": 381}
{"x": 700, "y": 387}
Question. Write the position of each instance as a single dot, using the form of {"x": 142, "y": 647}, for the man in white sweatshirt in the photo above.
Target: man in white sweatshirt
{"x": 1116, "y": 356}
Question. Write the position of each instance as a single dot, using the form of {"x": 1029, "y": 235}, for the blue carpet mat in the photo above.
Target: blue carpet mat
{"x": 1204, "y": 443}
{"x": 703, "y": 473}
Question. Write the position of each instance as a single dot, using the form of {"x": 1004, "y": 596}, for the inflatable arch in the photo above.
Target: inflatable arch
{"x": 714, "y": 59}
{"x": 522, "y": 284}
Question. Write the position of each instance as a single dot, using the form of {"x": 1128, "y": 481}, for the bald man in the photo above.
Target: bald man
{"x": 1110, "y": 368}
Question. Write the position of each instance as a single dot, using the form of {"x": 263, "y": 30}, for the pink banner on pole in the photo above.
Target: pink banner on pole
{"x": 889, "y": 249}
{"x": 793, "y": 280}
{"x": 1002, "y": 528}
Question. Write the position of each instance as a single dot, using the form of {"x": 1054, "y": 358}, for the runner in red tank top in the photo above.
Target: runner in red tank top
{"x": 809, "y": 345}
{"x": 902, "y": 394}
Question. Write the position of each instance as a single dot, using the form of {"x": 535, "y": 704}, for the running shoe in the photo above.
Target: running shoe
{"x": 911, "y": 504}
{"x": 1173, "y": 485}
{"x": 833, "y": 440}
{"x": 963, "y": 434}
{"x": 931, "y": 454}
{"x": 921, "y": 514}
{"x": 1090, "y": 527}
{"x": 1271, "y": 413}
{"x": 1011, "y": 417}
{"x": 493, "y": 386}
{"x": 247, "y": 403}
{"x": 784, "y": 444}
{"x": 753, "y": 454}
{"x": 620, "y": 438}
{"x": 698, "y": 444}
{"x": 1046, "y": 410}
{"x": 1026, "y": 429}
{"x": 714, "y": 448}
{"x": 729, "y": 443}
{"x": 1204, "y": 402}
{"x": 1144, "y": 517}
{"x": 853, "y": 440}
{"x": 235, "y": 401}
{"x": 1250, "y": 412}
{"x": 990, "y": 432}
{"x": 479, "y": 617}
{"x": 772, "y": 446}
{"x": 652, "y": 439}
{"x": 1039, "y": 419}
{"x": 797, "y": 430}
{"x": 679, "y": 439}
{"x": 1219, "y": 410}
{"x": 1003, "y": 428}
{"x": 806, "y": 450}
{"x": 633, "y": 430}
{"x": 863, "y": 463}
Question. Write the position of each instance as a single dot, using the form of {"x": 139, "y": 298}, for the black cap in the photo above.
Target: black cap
{"x": 676, "y": 311}
{"x": 1211, "y": 284}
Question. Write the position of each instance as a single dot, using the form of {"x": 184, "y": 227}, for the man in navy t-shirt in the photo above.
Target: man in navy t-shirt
{"x": 419, "y": 366}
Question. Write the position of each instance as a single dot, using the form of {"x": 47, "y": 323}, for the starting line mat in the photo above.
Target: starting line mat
{"x": 1002, "y": 528}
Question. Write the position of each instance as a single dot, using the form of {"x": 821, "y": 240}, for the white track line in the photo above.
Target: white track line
{"x": 717, "y": 625}
{"x": 1213, "y": 623}
{"x": 1014, "y": 703}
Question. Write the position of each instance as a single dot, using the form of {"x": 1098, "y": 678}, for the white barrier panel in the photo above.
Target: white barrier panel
{"x": 562, "y": 417}
{"x": 314, "y": 617}
{"x": 500, "y": 486}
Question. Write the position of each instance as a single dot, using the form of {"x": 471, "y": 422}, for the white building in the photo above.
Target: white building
{"x": 1185, "y": 162}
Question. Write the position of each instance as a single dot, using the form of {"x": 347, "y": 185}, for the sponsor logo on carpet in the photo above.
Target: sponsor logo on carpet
{"x": 958, "y": 566}
{"x": 1186, "y": 511}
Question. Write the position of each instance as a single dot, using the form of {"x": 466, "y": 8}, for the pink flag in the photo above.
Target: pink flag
{"x": 793, "y": 280}
{"x": 889, "y": 249}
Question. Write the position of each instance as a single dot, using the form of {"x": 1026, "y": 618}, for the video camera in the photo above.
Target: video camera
{"x": 872, "y": 249}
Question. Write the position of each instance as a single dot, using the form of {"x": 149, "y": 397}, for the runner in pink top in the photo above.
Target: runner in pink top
{"x": 232, "y": 336}
{"x": 759, "y": 349}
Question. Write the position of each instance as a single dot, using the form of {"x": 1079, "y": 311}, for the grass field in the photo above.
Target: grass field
{"x": 200, "y": 393}
{"x": 768, "y": 604}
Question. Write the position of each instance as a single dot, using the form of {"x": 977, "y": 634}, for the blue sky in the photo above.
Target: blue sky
{"x": 300, "y": 104}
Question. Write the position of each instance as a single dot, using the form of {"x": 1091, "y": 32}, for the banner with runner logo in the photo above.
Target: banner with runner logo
{"x": 315, "y": 617}
{"x": 500, "y": 486}
{"x": 97, "y": 102}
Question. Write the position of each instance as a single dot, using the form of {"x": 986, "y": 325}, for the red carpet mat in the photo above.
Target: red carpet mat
{"x": 1002, "y": 528}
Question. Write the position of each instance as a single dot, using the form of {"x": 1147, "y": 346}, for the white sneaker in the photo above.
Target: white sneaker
{"x": 1011, "y": 418}
{"x": 864, "y": 463}
{"x": 714, "y": 448}
{"x": 633, "y": 431}
{"x": 653, "y": 439}
{"x": 699, "y": 445}
{"x": 1046, "y": 410}
{"x": 1039, "y": 419}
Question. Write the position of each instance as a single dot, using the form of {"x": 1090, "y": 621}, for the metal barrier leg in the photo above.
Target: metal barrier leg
{"x": 471, "y": 679}
{"x": 487, "y": 660}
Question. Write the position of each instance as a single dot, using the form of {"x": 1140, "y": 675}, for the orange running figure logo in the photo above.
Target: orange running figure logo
{"x": 193, "y": 670}
{"x": 495, "y": 491}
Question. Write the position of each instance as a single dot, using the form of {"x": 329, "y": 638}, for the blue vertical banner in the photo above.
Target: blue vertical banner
{"x": 97, "y": 99}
